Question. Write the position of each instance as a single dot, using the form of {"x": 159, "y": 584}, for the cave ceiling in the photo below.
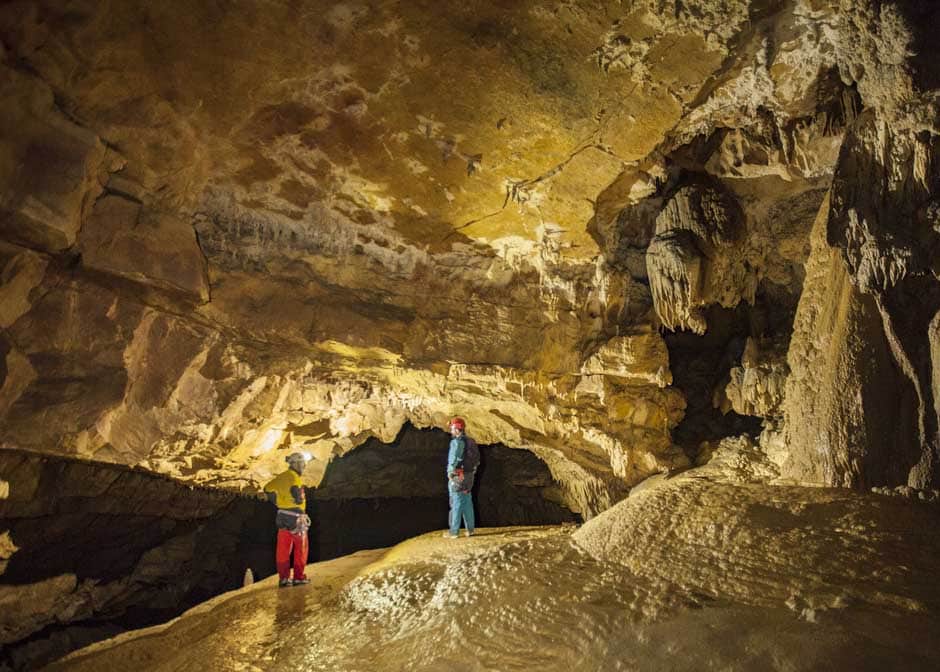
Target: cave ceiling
{"x": 235, "y": 229}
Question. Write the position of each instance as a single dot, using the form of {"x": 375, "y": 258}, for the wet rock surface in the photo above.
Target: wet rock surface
{"x": 753, "y": 577}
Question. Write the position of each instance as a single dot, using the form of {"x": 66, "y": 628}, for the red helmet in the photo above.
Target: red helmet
{"x": 458, "y": 423}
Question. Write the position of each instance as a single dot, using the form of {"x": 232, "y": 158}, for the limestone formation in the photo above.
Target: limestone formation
{"x": 50, "y": 166}
{"x": 231, "y": 232}
{"x": 756, "y": 387}
{"x": 875, "y": 415}
{"x": 691, "y": 261}
{"x": 122, "y": 238}
{"x": 619, "y": 238}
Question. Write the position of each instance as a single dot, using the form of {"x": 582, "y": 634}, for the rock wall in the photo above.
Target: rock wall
{"x": 866, "y": 339}
{"x": 89, "y": 549}
{"x": 845, "y": 400}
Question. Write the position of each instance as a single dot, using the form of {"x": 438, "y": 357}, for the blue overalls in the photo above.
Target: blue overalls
{"x": 461, "y": 502}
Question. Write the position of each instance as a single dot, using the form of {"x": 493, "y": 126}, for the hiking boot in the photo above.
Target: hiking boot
{"x": 300, "y": 582}
{"x": 284, "y": 583}
{"x": 448, "y": 535}
{"x": 468, "y": 533}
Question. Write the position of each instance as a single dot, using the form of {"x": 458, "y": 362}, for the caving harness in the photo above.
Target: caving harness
{"x": 300, "y": 521}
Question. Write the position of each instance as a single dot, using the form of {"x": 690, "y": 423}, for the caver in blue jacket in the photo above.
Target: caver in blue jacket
{"x": 461, "y": 501}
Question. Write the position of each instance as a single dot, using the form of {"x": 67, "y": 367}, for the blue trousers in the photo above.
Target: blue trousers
{"x": 461, "y": 507}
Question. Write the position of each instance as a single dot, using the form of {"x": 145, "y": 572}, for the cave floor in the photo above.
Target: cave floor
{"x": 690, "y": 574}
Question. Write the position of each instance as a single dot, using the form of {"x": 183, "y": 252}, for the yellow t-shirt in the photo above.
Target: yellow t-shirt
{"x": 281, "y": 484}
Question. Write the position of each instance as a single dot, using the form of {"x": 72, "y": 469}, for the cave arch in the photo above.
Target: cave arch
{"x": 382, "y": 493}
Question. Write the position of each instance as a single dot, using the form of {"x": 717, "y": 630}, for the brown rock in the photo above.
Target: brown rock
{"x": 123, "y": 237}
{"x": 48, "y": 169}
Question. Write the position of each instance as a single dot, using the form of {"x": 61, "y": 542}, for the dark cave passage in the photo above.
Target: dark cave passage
{"x": 380, "y": 494}
{"x": 96, "y": 549}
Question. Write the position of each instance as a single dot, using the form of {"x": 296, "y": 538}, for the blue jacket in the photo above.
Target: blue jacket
{"x": 454, "y": 457}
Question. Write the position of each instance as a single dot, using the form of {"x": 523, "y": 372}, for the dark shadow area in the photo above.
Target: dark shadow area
{"x": 894, "y": 401}
{"x": 381, "y": 494}
{"x": 701, "y": 364}
{"x": 344, "y": 526}
{"x": 105, "y": 548}
{"x": 923, "y": 20}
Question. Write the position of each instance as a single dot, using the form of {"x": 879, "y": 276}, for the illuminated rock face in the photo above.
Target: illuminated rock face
{"x": 687, "y": 262}
{"x": 232, "y": 232}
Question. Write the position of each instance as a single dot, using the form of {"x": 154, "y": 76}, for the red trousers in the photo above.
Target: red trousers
{"x": 287, "y": 540}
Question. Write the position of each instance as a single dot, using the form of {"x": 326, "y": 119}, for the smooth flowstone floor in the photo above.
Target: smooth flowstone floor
{"x": 691, "y": 574}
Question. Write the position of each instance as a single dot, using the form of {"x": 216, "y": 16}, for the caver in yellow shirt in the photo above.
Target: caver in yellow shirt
{"x": 288, "y": 491}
